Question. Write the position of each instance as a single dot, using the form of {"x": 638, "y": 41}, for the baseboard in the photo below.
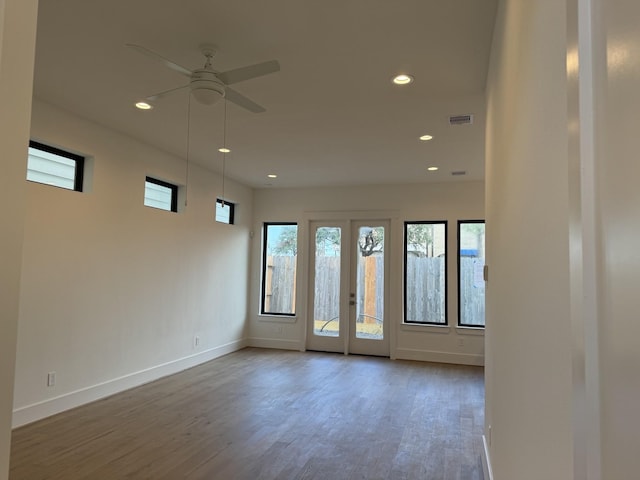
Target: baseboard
{"x": 46, "y": 408}
{"x": 277, "y": 343}
{"x": 486, "y": 460}
{"x": 439, "y": 357}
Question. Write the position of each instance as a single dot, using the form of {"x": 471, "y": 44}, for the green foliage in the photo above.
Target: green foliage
{"x": 371, "y": 241}
{"x": 420, "y": 239}
{"x": 327, "y": 241}
{"x": 472, "y": 228}
{"x": 287, "y": 242}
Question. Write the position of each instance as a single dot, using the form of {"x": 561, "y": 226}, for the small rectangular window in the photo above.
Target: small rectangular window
{"x": 52, "y": 166}
{"x": 225, "y": 211}
{"x": 279, "y": 257}
{"x": 425, "y": 272}
{"x": 471, "y": 273}
{"x": 159, "y": 194}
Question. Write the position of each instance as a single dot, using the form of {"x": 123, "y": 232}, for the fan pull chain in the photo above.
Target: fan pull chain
{"x": 186, "y": 181}
{"x": 224, "y": 144}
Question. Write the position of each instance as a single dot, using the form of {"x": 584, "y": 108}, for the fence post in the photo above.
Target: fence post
{"x": 370, "y": 298}
{"x": 293, "y": 296}
{"x": 268, "y": 292}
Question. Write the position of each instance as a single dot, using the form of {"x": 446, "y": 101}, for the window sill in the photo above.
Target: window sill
{"x": 477, "y": 331}
{"x": 277, "y": 318}
{"x": 416, "y": 327}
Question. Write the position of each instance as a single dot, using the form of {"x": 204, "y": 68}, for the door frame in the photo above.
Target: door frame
{"x": 393, "y": 294}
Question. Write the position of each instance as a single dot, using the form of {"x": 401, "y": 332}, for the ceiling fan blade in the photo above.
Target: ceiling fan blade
{"x": 165, "y": 93}
{"x": 252, "y": 71}
{"x": 172, "y": 65}
{"x": 242, "y": 101}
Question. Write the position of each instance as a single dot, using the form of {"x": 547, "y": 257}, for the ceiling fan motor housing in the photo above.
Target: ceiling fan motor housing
{"x": 206, "y": 87}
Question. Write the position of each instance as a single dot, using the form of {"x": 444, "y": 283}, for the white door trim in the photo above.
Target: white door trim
{"x": 394, "y": 273}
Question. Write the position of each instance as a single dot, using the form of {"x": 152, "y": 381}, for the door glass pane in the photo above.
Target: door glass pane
{"x": 326, "y": 308}
{"x": 370, "y": 283}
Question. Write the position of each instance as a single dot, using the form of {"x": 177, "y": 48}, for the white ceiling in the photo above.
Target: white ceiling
{"x": 333, "y": 116}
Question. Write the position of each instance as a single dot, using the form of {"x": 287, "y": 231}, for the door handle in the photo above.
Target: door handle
{"x": 352, "y": 302}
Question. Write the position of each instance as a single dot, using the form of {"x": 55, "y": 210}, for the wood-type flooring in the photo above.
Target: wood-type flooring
{"x": 268, "y": 414}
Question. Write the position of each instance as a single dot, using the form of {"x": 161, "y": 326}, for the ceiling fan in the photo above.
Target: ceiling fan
{"x": 207, "y": 85}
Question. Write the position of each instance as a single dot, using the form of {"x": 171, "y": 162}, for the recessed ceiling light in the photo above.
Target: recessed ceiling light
{"x": 425, "y": 138}
{"x": 432, "y": 169}
{"x": 224, "y": 150}
{"x": 271, "y": 175}
{"x": 402, "y": 79}
{"x": 144, "y": 106}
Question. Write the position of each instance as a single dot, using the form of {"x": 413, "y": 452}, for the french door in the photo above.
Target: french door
{"x": 348, "y": 297}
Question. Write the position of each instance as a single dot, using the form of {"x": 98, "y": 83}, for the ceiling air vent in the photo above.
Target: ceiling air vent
{"x": 459, "y": 172}
{"x": 461, "y": 119}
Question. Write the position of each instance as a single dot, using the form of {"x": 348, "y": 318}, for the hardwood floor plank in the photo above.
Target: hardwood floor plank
{"x": 266, "y": 414}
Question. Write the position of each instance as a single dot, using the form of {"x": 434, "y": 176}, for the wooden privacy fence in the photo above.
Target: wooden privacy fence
{"x": 327, "y": 288}
{"x": 425, "y": 292}
{"x": 425, "y": 289}
{"x": 369, "y": 302}
{"x": 471, "y": 291}
{"x": 280, "y": 281}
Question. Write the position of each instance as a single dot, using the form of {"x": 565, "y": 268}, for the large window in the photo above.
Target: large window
{"x": 471, "y": 273}
{"x": 425, "y": 273}
{"x": 279, "y": 254}
{"x": 159, "y": 194}
{"x": 52, "y": 166}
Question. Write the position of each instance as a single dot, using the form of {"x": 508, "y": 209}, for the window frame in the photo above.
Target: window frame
{"x": 263, "y": 280}
{"x": 458, "y": 257}
{"x": 446, "y": 274}
{"x": 174, "y": 193}
{"x": 232, "y": 210}
{"x": 79, "y": 160}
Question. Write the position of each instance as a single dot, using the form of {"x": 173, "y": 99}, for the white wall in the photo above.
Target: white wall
{"x": 441, "y": 201}
{"x": 563, "y": 404}
{"x": 529, "y": 342}
{"x": 617, "y": 170}
{"x": 113, "y": 292}
{"x": 17, "y": 47}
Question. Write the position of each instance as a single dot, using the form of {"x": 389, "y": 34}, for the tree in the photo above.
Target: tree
{"x": 287, "y": 242}
{"x": 420, "y": 239}
{"x": 371, "y": 241}
{"x": 327, "y": 241}
{"x": 474, "y": 230}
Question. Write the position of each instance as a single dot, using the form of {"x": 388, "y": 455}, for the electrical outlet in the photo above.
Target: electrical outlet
{"x": 51, "y": 379}
{"x": 196, "y": 341}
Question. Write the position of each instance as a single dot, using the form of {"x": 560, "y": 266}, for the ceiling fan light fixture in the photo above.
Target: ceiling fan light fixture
{"x": 206, "y": 87}
{"x": 206, "y": 95}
